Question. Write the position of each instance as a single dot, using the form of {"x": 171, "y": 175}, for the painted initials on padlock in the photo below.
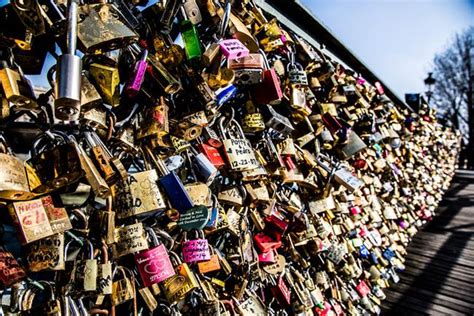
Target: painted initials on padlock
{"x": 232, "y": 48}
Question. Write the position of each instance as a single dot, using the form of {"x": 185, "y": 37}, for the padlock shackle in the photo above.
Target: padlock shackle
{"x": 71, "y": 40}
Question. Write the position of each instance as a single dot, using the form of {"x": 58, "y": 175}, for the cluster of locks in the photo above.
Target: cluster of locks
{"x": 230, "y": 167}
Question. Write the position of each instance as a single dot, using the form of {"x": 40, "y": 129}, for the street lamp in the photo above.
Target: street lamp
{"x": 429, "y": 83}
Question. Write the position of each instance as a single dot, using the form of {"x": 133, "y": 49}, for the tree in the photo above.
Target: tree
{"x": 453, "y": 91}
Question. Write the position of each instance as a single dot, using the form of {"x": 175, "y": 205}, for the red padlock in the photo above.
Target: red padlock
{"x": 281, "y": 292}
{"x": 267, "y": 257}
{"x": 212, "y": 154}
{"x": 265, "y": 243}
{"x": 269, "y": 89}
{"x": 275, "y": 227}
{"x": 362, "y": 289}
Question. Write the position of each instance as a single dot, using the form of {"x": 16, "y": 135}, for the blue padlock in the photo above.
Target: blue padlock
{"x": 174, "y": 188}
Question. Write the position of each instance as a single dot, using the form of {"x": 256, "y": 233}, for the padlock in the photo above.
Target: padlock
{"x": 100, "y": 28}
{"x": 123, "y": 289}
{"x": 54, "y": 162}
{"x": 211, "y": 265}
{"x": 129, "y": 239}
{"x": 17, "y": 88}
{"x": 278, "y": 122}
{"x": 233, "y": 48}
{"x": 269, "y": 90}
{"x": 84, "y": 274}
{"x": 177, "y": 287}
{"x": 192, "y": 45}
{"x": 176, "y": 193}
{"x": 296, "y": 74}
{"x": 68, "y": 72}
{"x": 138, "y": 75}
{"x": 104, "y": 272}
{"x": 195, "y": 250}
{"x": 248, "y": 70}
{"x": 107, "y": 81}
{"x": 31, "y": 220}
{"x": 154, "y": 265}
{"x": 13, "y": 180}
{"x": 94, "y": 178}
{"x": 206, "y": 169}
{"x": 239, "y": 151}
{"x": 144, "y": 195}
{"x": 46, "y": 254}
{"x": 10, "y": 271}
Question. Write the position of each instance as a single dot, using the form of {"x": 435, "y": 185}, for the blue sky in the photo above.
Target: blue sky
{"x": 397, "y": 39}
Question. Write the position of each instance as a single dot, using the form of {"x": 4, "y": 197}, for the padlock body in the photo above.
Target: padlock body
{"x": 68, "y": 87}
{"x": 176, "y": 192}
{"x": 154, "y": 265}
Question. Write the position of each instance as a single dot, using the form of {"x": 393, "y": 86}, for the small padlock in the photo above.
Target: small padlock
{"x": 195, "y": 250}
{"x": 123, "y": 289}
{"x": 84, "y": 275}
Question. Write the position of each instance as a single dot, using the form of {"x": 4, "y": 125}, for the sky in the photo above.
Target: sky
{"x": 396, "y": 39}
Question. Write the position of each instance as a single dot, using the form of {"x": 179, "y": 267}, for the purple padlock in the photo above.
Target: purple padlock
{"x": 233, "y": 48}
{"x": 136, "y": 80}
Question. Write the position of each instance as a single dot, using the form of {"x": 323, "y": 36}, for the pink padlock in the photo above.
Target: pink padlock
{"x": 355, "y": 210}
{"x": 267, "y": 257}
{"x": 233, "y": 48}
{"x": 362, "y": 289}
{"x": 196, "y": 250}
{"x": 154, "y": 265}
{"x": 379, "y": 88}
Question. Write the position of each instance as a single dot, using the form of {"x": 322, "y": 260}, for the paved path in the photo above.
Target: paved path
{"x": 439, "y": 278}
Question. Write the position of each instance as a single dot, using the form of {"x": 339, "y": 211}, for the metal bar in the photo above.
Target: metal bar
{"x": 301, "y": 21}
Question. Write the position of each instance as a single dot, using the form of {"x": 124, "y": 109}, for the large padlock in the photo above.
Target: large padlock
{"x": 142, "y": 194}
{"x": 100, "y": 28}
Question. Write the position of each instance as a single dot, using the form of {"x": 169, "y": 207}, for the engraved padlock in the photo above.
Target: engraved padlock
{"x": 13, "y": 180}
{"x": 178, "y": 286}
{"x": 154, "y": 265}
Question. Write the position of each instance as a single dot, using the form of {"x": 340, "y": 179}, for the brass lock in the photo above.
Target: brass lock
{"x": 101, "y": 29}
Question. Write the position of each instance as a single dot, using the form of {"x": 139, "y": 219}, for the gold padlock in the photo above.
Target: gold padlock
{"x": 17, "y": 88}
{"x": 108, "y": 82}
{"x": 101, "y": 29}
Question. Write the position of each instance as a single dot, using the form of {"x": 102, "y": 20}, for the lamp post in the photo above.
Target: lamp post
{"x": 429, "y": 83}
